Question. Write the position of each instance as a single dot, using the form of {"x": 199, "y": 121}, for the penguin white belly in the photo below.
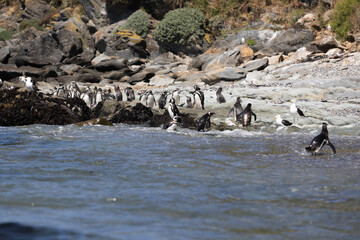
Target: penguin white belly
{"x": 197, "y": 101}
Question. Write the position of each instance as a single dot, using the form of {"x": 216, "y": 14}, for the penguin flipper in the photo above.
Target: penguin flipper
{"x": 231, "y": 111}
{"x": 332, "y": 147}
{"x": 254, "y": 115}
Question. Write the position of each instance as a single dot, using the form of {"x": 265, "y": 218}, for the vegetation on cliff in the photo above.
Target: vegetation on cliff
{"x": 346, "y": 17}
{"x": 182, "y": 26}
{"x": 138, "y": 22}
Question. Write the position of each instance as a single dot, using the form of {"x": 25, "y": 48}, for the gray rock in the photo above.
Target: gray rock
{"x": 4, "y": 54}
{"x": 258, "y": 64}
{"x": 111, "y": 65}
{"x": 161, "y": 81}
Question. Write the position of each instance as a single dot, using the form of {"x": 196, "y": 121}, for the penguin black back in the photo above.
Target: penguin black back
{"x": 319, "y": 141}
{"x": 219, "y": 96}
{"x": 204, "y": 122}
{"x": 162, "y": 100}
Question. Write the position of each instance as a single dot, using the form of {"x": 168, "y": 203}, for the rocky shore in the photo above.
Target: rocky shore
{"x": 314, "y": 68}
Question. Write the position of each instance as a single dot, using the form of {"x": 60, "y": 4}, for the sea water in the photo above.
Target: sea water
{"x": 134, "y": 182}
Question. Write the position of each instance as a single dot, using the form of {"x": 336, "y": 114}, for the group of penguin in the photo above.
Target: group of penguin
{"x": 243, "y": 116}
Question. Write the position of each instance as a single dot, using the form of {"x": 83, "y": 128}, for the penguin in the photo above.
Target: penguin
{"x": 99, "y": 97}
{"x": 176, "y": 96}
{"x": 204, "y": 122}
{"x": 162, "y": 100}
{"x": 294, "y": 110}
{"x": 130, "y": 95}
{"x": 281, "y": 121}
{"x": 117, "y": 93}
{"x": 1, "y": 83}
{"x": 319, "y": 141}
{"x": 172, "y": 108}
{"x": 143, "y": 96}
{"x": 189, "y": 103}
{"x": 245, "y": 116}
{"x": 150, "y": 99}
{"x": 219, "y": 97}
{"x": 86, "y": 98}
{"x": 236, "y": 109}
{"x": 199, "y": 97}
{"x": 61, "y": 91}
{"x": 172, "y": 125}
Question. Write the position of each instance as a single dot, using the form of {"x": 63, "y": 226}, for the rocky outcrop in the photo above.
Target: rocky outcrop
{"x": 23, "y": 108}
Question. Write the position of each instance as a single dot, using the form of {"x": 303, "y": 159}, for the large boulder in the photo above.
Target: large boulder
{"x": 73, "y": 36}
{"x": 36, "y": 9}
{"x": 133, "y": 115}
{"x": 40, "y": 51}
{"x": 289, "y": 41}
{"x": 268, "y": 41}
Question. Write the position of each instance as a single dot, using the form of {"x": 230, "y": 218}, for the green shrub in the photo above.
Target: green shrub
{"x": 5, "y": 34}
{"x": 30, "y": 23}
{"x": 341, "y": 22}
{"x": 182, "y": 26}
{"x": 250, "y": 42}
{"x": 295, "y": 15}
{"x": 138, "y": 22}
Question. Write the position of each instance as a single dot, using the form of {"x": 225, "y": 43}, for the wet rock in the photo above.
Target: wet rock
{"x": 96, "y": 121}
{"x": 133, "y": 115}
{"x": 23, "y": 108}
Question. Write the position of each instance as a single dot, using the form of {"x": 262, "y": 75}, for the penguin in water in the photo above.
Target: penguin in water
{"x": 172, "y": 125}
{"x": 172, "y": 108}
{"x": 150, "y": 99}
{"x": 294, "y": 110}
{"x": 199, "y": 97}
{"x": 204, "y": 122}
{"x": 236, "y": 109}
{"x": 245, "y": 116}
{"x": 219, "y": 96}
{"x": 281, "y": 121}
{"x": 319, "y": 141}
{"x": 189, "y": 103}
{"x": 162, "y": 100}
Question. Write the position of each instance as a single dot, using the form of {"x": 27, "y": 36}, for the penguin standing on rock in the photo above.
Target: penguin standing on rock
{"x": 1, "y": 83}
{"x": 204, "y": 122}
{"x": 236, "y": 109}
{"x": 150, "y": 99}
{"x": 172, "y": 108}
{"x": 319, "y": 141}
{"x": 245, "y": 116}
{"x": 117, "y": 93}
{"x": 130, "y": 95}
{"x": 176, "y": 96}
{"x": 189, "y": 103}
{"x": 162, "y": 100}
{"x": 199, "y": 97}
{"x": 219, "y": 97}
